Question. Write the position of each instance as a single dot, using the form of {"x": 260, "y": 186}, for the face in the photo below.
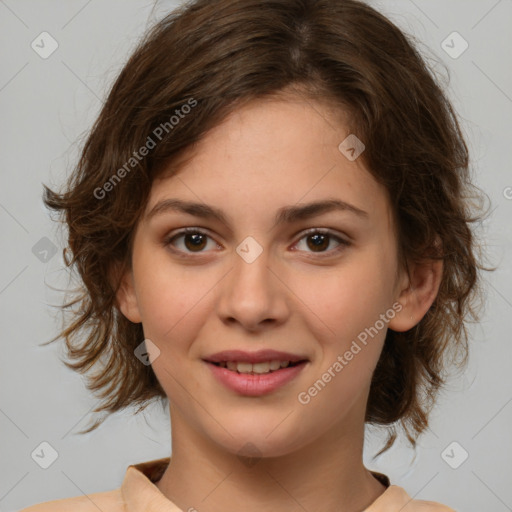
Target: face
{"x": 306, "y": 285}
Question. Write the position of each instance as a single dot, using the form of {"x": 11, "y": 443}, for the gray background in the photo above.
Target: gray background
{"x": 47, "y": 104}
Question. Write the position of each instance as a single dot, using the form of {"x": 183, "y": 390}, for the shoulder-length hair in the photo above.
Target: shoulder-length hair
{"x": 193, "y": 68}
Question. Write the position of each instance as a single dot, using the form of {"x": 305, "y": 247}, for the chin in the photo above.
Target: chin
{"x": 258, "y": 440}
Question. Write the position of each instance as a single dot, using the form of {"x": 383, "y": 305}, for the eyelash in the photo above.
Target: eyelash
{"x": 343, "y": 243}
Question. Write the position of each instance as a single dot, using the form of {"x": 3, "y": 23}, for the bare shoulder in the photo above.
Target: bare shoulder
{"x": 109, "y": 500}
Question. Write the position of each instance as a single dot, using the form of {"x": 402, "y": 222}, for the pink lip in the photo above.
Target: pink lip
{"x": 253, "y": 357}
{"x": 256, "y": 385}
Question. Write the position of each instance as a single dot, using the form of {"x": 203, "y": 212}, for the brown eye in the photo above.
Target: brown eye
{"x": 317, "y": 241}
{"x": 194, "y": 241}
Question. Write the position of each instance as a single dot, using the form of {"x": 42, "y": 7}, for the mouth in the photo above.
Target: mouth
{"x": 261, "y": 368}
{"x": 256, "y": 379}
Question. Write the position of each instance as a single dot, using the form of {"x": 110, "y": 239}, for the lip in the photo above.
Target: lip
{"x": 255, "y": 385}
{"x": 260, "y": 356}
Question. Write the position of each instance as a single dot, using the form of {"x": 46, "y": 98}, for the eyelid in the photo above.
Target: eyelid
{"x": 326, "y": 231}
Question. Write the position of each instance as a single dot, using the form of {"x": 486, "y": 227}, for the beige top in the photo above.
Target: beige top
{"x": 138, "y": 493}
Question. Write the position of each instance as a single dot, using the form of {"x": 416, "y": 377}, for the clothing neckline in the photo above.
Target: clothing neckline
{"x": 140, "y": 494}
{"x": 155, "y": 469}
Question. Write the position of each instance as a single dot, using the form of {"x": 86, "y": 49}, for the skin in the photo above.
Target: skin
{"x": 269, "y": 154}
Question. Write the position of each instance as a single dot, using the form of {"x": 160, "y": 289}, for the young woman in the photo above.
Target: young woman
{"x": 270, "y": 221}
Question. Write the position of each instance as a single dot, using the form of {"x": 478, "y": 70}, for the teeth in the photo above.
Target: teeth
{"x": 275, "y": 365}
{"x": 258, "y": 368}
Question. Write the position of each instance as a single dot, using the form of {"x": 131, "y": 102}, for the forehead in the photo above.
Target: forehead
{"x": 270, "y": 153}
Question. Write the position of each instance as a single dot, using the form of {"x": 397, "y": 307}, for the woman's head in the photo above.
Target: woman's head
{"x": 243, "y": 106}
{"x": 260, "y": 278}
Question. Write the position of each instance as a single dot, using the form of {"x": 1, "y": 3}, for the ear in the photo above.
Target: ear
{"x": 417, "y": 294}
{"x": 126, "y": 298}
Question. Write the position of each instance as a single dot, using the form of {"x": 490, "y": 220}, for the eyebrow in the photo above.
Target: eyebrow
{"x": 286, "y": 214}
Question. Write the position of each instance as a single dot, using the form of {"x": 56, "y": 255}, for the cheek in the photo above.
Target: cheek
{"x": 344, "y": 315}
{"x": 348, "y": 299}
{"x": 167, "y": 292}
{"x": 176, "y": 303}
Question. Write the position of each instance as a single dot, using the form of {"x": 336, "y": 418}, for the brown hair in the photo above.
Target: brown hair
{"x": 214, "y": 55}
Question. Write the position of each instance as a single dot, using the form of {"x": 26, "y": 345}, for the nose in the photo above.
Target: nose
{"x": 253, "y": 294}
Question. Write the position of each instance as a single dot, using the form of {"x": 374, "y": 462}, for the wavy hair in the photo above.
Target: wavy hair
{"x": 197, "y": 65}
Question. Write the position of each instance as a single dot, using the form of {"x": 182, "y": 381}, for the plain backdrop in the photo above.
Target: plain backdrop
{"x": 46, "y": 106}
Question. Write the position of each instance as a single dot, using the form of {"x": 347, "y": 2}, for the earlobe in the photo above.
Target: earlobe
{"x": 417, "y": 297}
{"x": 127, "y": 299}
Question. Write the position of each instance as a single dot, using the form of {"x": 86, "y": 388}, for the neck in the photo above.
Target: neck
{"x": 327, "y": 475}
